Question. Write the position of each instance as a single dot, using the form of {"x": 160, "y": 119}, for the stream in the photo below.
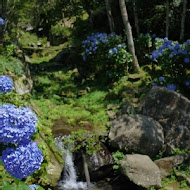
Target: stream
{"x": 69, "y": 179}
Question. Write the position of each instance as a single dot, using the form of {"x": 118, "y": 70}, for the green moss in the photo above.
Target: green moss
{"x": 10, "y": 66}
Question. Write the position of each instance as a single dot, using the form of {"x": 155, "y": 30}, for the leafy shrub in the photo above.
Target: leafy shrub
{"x": 106, "y": 54}
{"x": 60, "y": 31}
{"x": 173, "y": 61}
{"x": 28, "y": 38}
{"x": 84, "y": 141}
{"x": 10, "y": 65}
{"x": 117, "y": 156}
{"x": 144, "y": 45}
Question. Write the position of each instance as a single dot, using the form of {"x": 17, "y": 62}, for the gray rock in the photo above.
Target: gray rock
{"x": 27, "y": 59}
{"x": 55, "y": 164}
{"x": 141, "y": 170}
{"x": 167, "y": 164}
{"x": 172, "y": 111}
{"x": 23, "y": 85}
{"x": 137, "y": 133}
{"x": 100, "y": 164}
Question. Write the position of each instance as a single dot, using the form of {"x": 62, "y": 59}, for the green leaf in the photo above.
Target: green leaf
{"x": 1, "y": 163}
{"x": 16, "y": 181}
{"x": 7, "y": 186}
{"x": 23, "y": 187}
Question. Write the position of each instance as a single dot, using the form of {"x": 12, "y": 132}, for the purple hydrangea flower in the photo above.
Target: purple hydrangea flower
{"x": 22, "y": 161}
{"x": 6, "y": 84}
{"x": 17, "y": 125}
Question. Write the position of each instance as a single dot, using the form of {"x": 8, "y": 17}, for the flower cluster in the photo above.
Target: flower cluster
{"x": 115, "y": 49}
{"x": 2, "y": 21}
{"x": 22, "y": 161}
{"x": 17, "y": 124}
{"x": 92, "y": 43}
{"x": 162, "y": 82}
{"x": 174, "y": 48}
{"x": 6, "y": 84}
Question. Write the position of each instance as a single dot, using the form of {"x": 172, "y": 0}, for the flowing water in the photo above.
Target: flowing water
{"x": 69, "y": 181}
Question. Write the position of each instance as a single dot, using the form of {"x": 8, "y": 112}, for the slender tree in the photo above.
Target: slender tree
{"x": 183, "y": 20}
{"x": 136, "y": 18}
{"x": 109, "y": 15}
{"x": 128, "y": 30}
{"x": 167, "y": 17}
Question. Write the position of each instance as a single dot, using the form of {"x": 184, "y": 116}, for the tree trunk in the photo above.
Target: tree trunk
{"x": 136, "y": 18}
{"x": 183, "y": 20}
{"x": 86, "y": 171}
{"x": 129, "y": 34}
{"x": 3, "y": 4}
{"x": 167, "y": 18}
{"x": 109, "y": 15}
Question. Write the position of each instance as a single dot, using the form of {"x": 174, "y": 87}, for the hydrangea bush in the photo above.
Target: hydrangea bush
{"x": 173, "y": 61}
{"x": 107, "y": 54}
{"x": 20, "y": 156}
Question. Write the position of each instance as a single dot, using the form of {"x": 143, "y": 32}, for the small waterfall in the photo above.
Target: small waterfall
{"x": 69, "y": 181}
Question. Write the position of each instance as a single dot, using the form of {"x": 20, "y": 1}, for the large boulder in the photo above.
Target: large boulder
{"x": 136, "y": 133}
{"x": 141, "y": 170}
{"x": 172, "y": 111}
{"x": 100, "y": 164}
{"x": 167, "y": 164}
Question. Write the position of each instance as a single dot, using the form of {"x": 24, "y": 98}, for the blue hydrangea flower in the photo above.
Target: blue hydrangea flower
{"x": 84, "y": 57}
{"x": 156, "y": 39}
{"x": 22, "y": 161}
{"x": 33, "y": 187}
{"x": 17, "y": 125}
{"x": 114, "y": 50}
{"x": 161, "y": 79}
{"x": 153, "y": 35}
{"x": 171, "y": 87}
{"x": 187, "y": 83}
{"x": 6, "y": 84}
{"x": 186, "y": 60}
{"x": 184, "y": 52}
{"x": 154, "y": 84}
{"x": 171, "y": 55}
{"x": 2, "y": 21}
